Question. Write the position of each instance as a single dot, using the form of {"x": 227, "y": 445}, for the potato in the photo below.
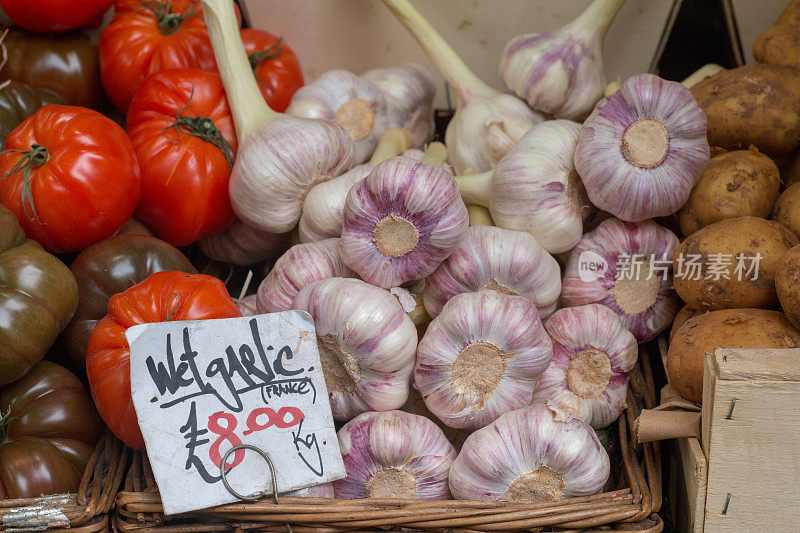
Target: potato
{"x": 733, "y": 184}
{"x": 681, "y": 317}
{"x": 728, "y": 328}
{"x": 729, "y": 248}
{"x": 787, "y": 209}
{"x": 787, "y": 284}
{"x": 753, "y": 104}
{"x": 780, "y": 43}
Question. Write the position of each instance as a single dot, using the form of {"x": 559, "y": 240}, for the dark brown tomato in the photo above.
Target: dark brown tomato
{"x": 47, "y": 434}
{"x": 107, "y": 268}
{"x": 38, "y": 296}
{"x": 18, "y": 101}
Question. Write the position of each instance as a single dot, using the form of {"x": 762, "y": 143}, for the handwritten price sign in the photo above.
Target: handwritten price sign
{"x": 202, "y": 387}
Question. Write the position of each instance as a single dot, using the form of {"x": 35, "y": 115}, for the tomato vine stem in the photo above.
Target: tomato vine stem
{"x": 33, "y": 158}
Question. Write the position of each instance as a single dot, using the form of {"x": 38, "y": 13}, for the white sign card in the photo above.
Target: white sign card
{"x": 202, "y": 387}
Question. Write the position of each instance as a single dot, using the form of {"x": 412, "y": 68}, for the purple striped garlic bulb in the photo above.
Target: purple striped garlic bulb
{"x": 535, "y": 187}
{"x": 643, "y": 148}
{"x": 394, "y": 455}
{"x": 280, "y": 157}
{"x": 409, "y": 91}
{"x": 534, "y": 454}
{"x": 366, "y": 344}
{"x": 324, "y": 490}
{"x": 561, "y": 72}
{"x": 354, "y": 103}
{"x": 627, "y": 267}
{"x": 507, "y": 261}
{"x": 322, "y": 208}
{"x": 239, "y": 244}
{"x": 401, "y": 221}
{"x": 593, "y": 355}
{"x": 487, "y": 123}
{"x": 247, "y": 305}
{"x": 481, "y": 357}
{"x": 301, "y": 265}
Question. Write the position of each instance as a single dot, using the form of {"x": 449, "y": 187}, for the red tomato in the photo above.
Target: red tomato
{"x": 146, "y": 37}
{"x": 71, "y": 177}
{"x": 275, "y": 65}
{"x": 161, "y": 297}
{"x": 46, "y": 16}
{"x": 182, "y": 130}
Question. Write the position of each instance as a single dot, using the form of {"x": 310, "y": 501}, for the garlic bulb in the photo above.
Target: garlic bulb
{"x": 354, "y": 103}
{"x": 280, "y": 157}
{"x": 409, "y": 92}
{"x": 481, "y": 357}
{"x": 593, "y": 354}
{"x": 507, "y": 261}
{"x": 366, "y": 344}
{"x": 324, "y": 490}
{"x": 240, "y": 244}
{"x": 561, "y": 72}
{"x": 322, "y": 208}
{"x": 643, "y": 148}
{"x": 416, "y": 406}
{"x": 401, "y": 221}
{"x": 627, "y": 267}
{"x": 535, "y": 454}
{"x": 247, "y": 305}
{"x": 487, "y": 123}
{"x": 535, "y": 187}
{"x": 301, "y": 265}
{"x": 394, "y": 455}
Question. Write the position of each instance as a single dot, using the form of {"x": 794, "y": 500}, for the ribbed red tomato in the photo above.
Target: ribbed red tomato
{"x": 183, "y": 133}
{"x": 71, "y": 177}
{"x": 161, "y": 297}
{"x": 46, "y": 16}
{"x": 148, "y": 36}
{"x": 275, "y": 65}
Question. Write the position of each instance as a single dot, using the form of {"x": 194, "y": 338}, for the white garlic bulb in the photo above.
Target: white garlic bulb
{"x": 354, "y": 103}
{"x": 593, "y": 355}
{"x": 507, "y": 261}
{"x": 239, "y": 244}
{"x": 301, "y": 265}
{"x": 626, "y": 267}
{"x": 280, "y": 157}
{"x": 325, "y": 490}
{"x": 561, "y": 72}
{"x": 394, "y": 455}
{"x": 409, "y": 91}
{"x": 535, "y": 187}
{"x": 481, "y": 357}
{"x": 366, "y": 344}
{"x": 487, "y": 123}
{"x": 401, "y": 221}
{"x": 643, "y": 148}
{"x": 534, "y": 454}
{"x": 322, "y": 208}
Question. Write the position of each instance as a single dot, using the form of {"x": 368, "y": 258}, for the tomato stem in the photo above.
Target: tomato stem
{"x": 202, "y": 128}
{"x": 168, "y": 20}
{"x": 33, "y": 158}
{"x": 175, "y": 296}
{"x": 269, "y": 53}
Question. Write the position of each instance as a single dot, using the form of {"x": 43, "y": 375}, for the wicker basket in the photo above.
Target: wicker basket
{"x": 86, "y": 511}
{"x": 632, "y": 507}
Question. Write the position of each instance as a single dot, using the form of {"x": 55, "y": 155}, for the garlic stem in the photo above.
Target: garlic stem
{"x": 474, "y": 188}
{"x": 393, "y": 141}
{"x": 464, "y": 82}
{"x": 248, "y": 107}
{"x": 435, "y": 154}
{"x": 599, "y": 15}
{"x": 706, "y": 71}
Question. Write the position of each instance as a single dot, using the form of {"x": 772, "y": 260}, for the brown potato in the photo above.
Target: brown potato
{"x": 753, "y": 104}
{"x": 787, "y": 209}
{"x": 780, "y": 43}
{"x": 733, "y": 184}
{"x": 683, "y": 315}
{"x": 787, "y": 284}
{"x": 729, "y": 248}
{"x": 728, "y": 328}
